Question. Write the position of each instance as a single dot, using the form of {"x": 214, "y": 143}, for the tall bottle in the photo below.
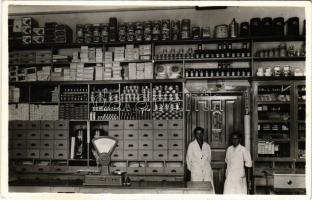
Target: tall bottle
{"x": 233, "y": 29}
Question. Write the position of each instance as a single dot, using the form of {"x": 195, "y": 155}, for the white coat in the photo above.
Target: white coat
{"x": 198, "y": 162}
{"x": 236, "y": 158}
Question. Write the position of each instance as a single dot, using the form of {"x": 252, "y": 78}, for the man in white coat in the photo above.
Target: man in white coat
{"x": 198, "y": 158}
{"x": 237, "y": 159}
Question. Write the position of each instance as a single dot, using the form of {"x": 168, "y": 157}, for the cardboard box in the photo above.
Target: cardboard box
{"x": 26, "y": 39}
{"x": 38, "y": 39}
{"x": 38, "y": 31}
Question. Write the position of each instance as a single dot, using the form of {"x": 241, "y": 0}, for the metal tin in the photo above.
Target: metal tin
{"x": 221, "y": 31}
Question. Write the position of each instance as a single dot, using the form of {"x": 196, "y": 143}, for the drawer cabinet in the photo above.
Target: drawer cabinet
{"x": 145, "y": 144}
{"x": 160, "y": 124}
{"x": 160, "y": 144}
{"x": 175, "y": 124}
{"x": 116, "y": 124}
{"x": 160, "y": 155}
{"x": 131, "y": 134}
{"x": 118, "y": 134}
{"x": 145, "y": 134}
{"x": 131, "y": 124}
{"x": 160, "y": 134}
{"x": 145, "y": 124}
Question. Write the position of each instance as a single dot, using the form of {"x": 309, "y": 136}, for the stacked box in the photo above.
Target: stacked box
{"x": 14, "y": 57}
{"x": 98, "y": 55}
{"x": 132, "y": 71}
{"x": 91, "y": 55}
{"x": 14, "y": 94}
{"x": 126, "y": 72}
{"x": 84, "y": 54}
{"x": 27, "y": 24}
{"x": 86, "y": 73}
{"x": 49, "y": 32}
{"x": 140, "y": 71}
{"x": 76, "y": 56}
{"x": 99, "y": 71}
{"x": 131, "y": 53}
{"x": 108, "y": 57}
{"x": 73, "y": 71}
{"x": 13, "y": 73}
{"x": 148, "y": 70}
{"x": 57, "y": 74}
{"x": 31, "y": 74}
{"x": 43, "y": 112}
{"x": 19, "y": 111}
{"x": 43, "y": 56}
{"x": 145, "y": 52}
{"x": 38, "y": 35}
{"x": 107, "y": 75}
{"x": 67, "y": 74}
{"x": 44, "y": 74}
{"x": 63, "y": 34}
{"x": 119, "y": 54}
{"x": 116, "y": 71}
{"x": 28, "y": 57}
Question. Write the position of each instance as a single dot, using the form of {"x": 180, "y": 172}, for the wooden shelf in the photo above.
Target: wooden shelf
{"x": 277, "y": 38}
{"x": 281, "y": 78}
{"x": 42, "y": 102}
{"x": 276, "y": 159}
{"x": 33, "y": 64}
{"x": 64, "y": 102}
{"x": 220, "y": 77}
{"x": 134, "y": 61}
{"x": 294, "y": 58}
{"x": 273, "y": 121}
{"x": 274, "y": 102}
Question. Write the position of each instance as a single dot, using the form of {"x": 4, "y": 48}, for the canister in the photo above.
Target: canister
{"x": 221, "y": 31}
{"x": 175, "y": 29}
{"x": 255, "y": 26}
{"x": 185, "y": 29}
{"x": 244, "y": 29}
{"x": 293, "y": 26}
{"x": 278, "y": 26}
{"x": 266, "y": 26}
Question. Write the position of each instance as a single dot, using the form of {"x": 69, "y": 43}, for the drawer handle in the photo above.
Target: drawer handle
{"x": 33, "y": 144}
{"x": 131, "y": 125}
{"x": 160, "y": 125}
{"x": 46, "y": 154}
{"x": 175, "y": 124}
{"x": 60, "y": 145}
{"x": 160, "y": 155}
{"x": 23, "y": 169}
{"x": 145, "y": 135}
{"x": 19, "y": 135}
{"x": 46, "y": 144}
{"x": 145, "y": 155}
{"x": 145, "y": 145}
{"x": 19, "y": 144}
{"x": 116, "y": 136}
{"x": 160, "y": 145}
{"x": 175, "y": 135}
{"x": 175, "y": 145}
{"x": 57, "y": 169}
{"x": 155, "y": 171}
{"x": 33, "y": 135}
{"x": 32, "y": 154}
{"x": 130, "y": 155}
{"x": 60, "y": 155}
{"x": 115, "y": 155}
{"x": 160, "y": 135}
{"x": 18, "y": 154}
{"x": 145, "y": 125}
{"x": 289, "y": 182}
{"x": 175, "y": 155}
{"x": 130, "y": 135}
{"x": 40, "y": 169}
{"x": 60, "y": 135}
{"x": 61, "y": 125}
{"x": 46, "y": 135}
{"x": 173, "y": 171}
{"x": 33, "y": 125}
{"x": 116, "y": 125}
{"x": 130, "y": 145}
{"x": 20, "y": 125}
{"x": 136, "y": 171}
{"x": 47, "y": 125}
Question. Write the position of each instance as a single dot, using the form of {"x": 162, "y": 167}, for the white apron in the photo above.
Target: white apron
{"x": 236, "y": 158}
{"x": 198, "y": 162}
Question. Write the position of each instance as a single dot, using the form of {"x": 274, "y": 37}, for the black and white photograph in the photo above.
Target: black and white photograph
{"x": 129, "y": 97}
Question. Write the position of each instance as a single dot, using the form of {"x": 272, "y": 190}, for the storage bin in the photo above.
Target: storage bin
{"x": 117, "y": 155}
{"x": 175, "y": 144}
{"x": 47, "y": 125}
{"x": 175, "y": 124}
{"x": 131, "y": 144}
{"x": 20, "y": 134}
{"x": 131, "y": 124}
{"x": 20, "y": 124}
{"x": 145, "y": 134}
{"x": 63, "y": 125}
{"x": 41, "y": 169}
{"x": 145, "y": 154}
{"x": 33, "y": 144}
{"x": 160, "y": 124}
{"x": 131, "y": 134}
{"x": 58, "y": 169}
{"x": 46, "y": 144}
{"x": 175, "y": 155}
{"x": 136, "y": 170}
{"x": 60, "y": 144}
{"x": 160, "y": 144}
{"x": 118, "y": 134}
{"x": 145, "y": 124}
{"x": 61, "y": 134}
{"x": 116, "y": 124}
{"x": 33, "y": 125}
{"x": 160, "y": 155}
{"x": 174, "y": 170}
{"x": 175, "y": 134}
{"x": 131, "y": 155}
{"x": 46, "y": 134}
{"x": 45, "y": 154}
{"x": 60, "y": 154}
{"x": 32, "y": 153}
{"x": 160, "y": 134}
{"x": 33, "y": 134}
{"x": 154, "y": 170}
{"x": 145, "y": 144}
{"x": 19, "y": 153}
{"x": 20, "y": 144}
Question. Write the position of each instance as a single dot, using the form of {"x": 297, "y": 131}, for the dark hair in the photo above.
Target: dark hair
{"x": 198, "y": 128}
{"x": 238, "y": 134}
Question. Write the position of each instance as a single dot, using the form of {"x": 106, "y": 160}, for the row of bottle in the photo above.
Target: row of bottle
{"x": 228, "y": 72}
{"x": 276, "y": 90}
{"x": 104, "y": 116}
{"x": 78, "y": 89}
{"x": 74, "y": 97}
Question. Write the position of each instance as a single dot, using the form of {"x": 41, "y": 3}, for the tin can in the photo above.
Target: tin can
{"x": 130, "y": 33}
{"x": 79, "y": 33}
{"x": 96, "y": 33}
{"x": 165, "y": 29}
{"x": 185, "y": 29}
{"x": 104, "y": 32}
{"x": 138, "y": 31}
{"x": 147, "y": 31}
{"x": 156, "y": 30}
{"x": 175, "y": 29}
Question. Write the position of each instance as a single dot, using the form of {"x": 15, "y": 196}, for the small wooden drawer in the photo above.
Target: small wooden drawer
{"x": 46, "y": 144}
{"x": 46, "y": 154}
{"x": 120, "y": 145}
{"x": 160, "y": 155}
{"x": 131, "y": 144}
{"x": 117, "y": 169}
{"x": 24, "y": 168}
{"x": 33, "y": 144}
{"x": 289, "y": 181}
{"x": 59, "y": 169}
{"x": 11, "y": 124}
{"x": 145, "y": 124}
{"x": 61, "y": 134}
{"x": 118, "y": 134}
{"x": 10, "y": 133}
{"x": 160, "y": 134}
{"x": 131, "y": 154}
{"x": 19, "y": 134}
{"x": 145, "y": 144}
{"x": 175, "y": 155}
{"x": 61, "y": 125}
{"x": 117, "y": 155}
{"x": 33, "y": 153}
{"x": 19, "y": 153}
{"x": 33, "y": 125}
{"x": 154, "y": 170}
{"x": 131, "y": 134}
{"x": 145, "y": 154}
{"x": 60, "y": 154}
{"x": 60, "y": 144}
{"x": 174, "y": 170}
{"x": 47, "y": 125}
{"x": 175, "y": 144}
{"x": 116, "y": 124}
{"x": 145, "y": 134}
{"x": 41, "y": 169}
{"x": 20, "y": 124}
{"x": 47, "y": 134}
{"x": 160, "y": 124}
{"x": 175, "y": 124}
{"x": 131, "y": 124}
{"x": 136, "y": 170}
{"x": 160, "y": 144}
{"x": 33, "y": 134}
{"x": 175, "y": 134}
{"x": 20, "y": 144}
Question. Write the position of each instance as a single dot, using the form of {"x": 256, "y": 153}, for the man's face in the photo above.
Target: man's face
{"x": 235, "y": 140}
{"x": 199, "y": 135}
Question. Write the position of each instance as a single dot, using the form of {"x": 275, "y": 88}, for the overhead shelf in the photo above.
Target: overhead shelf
{"x": 286, "y": 58}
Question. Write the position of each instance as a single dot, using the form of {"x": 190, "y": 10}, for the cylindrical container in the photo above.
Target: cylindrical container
{"x": 233, "y": 29}
{"x": 79, "y": 33}
{"x": 148, "y": 31}
{"x": 130, "y": 32}
{"x": 112, "y": 33}
{"x": 138, "y": 31}
{"x": 185, "y": 29}
{"x": 278, "y": 26}
{"x": 266, "y": 26}
{"x": 221, "y": 31}
{"x": 277, "y": 71}
{"x": 88, "y": 31}
{"x": 293, "y": 26}
{"x": 96, "y": 33}
{"x": 156, "y": 30}
{"x": 206, "y": 32}
{"x": 255, "y": 26}
{"x": 104, "y": 32}
{"x": 244, "y": 29}
{"x": 122, "y": 32}
{"x": 175, "y": 29}
{"x": 165, "y": 29}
